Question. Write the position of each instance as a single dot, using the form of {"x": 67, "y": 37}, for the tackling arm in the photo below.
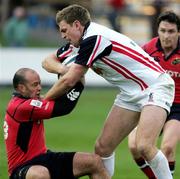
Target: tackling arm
{"x": 75, "y": 73}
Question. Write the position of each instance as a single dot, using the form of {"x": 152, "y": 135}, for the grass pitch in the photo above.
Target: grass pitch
{"x": 78, "y": 131}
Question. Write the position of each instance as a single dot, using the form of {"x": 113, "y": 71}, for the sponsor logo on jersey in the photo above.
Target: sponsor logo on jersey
{"x": 176, "y": 61}
{"x": 73, "y": 95}
{"x": 173, "y": 73}
{"x": 36, "y": 103}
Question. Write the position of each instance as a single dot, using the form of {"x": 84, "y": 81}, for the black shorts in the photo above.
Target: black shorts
{"x": 59, "y": 164}
{"x": 175, "y": 112}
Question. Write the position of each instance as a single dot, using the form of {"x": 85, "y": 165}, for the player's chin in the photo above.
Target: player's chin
{"x": 75, "y": 44}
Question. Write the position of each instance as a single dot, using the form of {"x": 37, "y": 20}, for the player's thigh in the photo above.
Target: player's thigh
{"x": 118, "y": 125}
{"x": 150, "y": 124}
{"x": 171, "y": 134}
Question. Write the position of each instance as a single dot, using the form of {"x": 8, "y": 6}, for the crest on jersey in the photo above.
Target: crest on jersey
{"x": 176, "y": 61}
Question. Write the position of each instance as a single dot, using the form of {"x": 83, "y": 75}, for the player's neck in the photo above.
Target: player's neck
{"x": 168, "y": 51}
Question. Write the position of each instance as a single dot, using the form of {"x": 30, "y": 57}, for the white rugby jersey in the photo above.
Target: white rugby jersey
{"x": 117, "y": 59}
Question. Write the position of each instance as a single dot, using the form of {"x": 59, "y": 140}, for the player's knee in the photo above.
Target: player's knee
{"x": 144, "y": 149}
{"x": 38, "y": 172}
{"x": 167, "y": 149}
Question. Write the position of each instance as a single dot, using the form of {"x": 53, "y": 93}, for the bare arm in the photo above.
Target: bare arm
{"x": 51, "y": 64}
{"x": 75, "y": 73}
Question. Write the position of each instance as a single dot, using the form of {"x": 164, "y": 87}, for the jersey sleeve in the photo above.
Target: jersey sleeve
{"x": 93, "y": 48}
{"x": 67, "y": 102}
{"x": 66, "y": 51}
{"x": 34, "y": 109}
{"x": 63, "y": 52}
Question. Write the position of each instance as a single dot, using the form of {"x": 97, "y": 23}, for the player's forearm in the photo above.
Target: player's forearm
{"x": 66, "y": 82}
{"x": 59, "y": 88}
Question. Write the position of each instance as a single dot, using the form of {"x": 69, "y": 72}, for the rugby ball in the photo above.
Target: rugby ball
{"x": 69, "y": 60}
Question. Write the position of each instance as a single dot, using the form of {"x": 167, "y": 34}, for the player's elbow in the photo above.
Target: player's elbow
{"x": 45, "y": 65}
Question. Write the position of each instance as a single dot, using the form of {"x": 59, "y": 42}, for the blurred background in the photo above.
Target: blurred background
{"x": 28, "y": 33}
{"x": 38, "y": 28}
{"x": 30, "y": 24}
{"x": 38, "y": 18}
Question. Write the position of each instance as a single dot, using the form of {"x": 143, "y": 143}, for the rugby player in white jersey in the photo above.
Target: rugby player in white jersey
{"x": 146, "y": 91}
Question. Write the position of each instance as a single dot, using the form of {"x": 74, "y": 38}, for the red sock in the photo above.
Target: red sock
{"x": 172, "y": 166}
{"x": 144, "y": 166}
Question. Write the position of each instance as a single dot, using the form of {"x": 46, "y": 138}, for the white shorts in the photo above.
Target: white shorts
{"x": 159, "y": 94}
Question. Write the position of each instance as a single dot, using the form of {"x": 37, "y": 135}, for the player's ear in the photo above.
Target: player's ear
{"x": 21, "y": 88}
{"x": 77, "y": 24}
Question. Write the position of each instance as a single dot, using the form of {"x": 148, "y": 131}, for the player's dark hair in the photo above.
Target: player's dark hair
{"x": 19, "y": 77}
{"x": 170, "y": 17}
{"x": 72, "y": 13}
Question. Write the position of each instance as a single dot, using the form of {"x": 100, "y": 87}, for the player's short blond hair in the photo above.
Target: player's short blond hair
{"x": 72, "y": 13}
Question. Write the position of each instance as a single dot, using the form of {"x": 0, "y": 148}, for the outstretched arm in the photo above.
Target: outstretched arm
{"x": 66, "y": 82}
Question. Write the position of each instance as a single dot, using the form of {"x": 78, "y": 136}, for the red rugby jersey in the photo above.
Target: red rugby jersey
{"x": 171, "y": 64}
{"x": 24, "y": 129}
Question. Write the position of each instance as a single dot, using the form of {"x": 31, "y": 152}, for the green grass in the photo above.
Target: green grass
{"x": 78, "y": 131}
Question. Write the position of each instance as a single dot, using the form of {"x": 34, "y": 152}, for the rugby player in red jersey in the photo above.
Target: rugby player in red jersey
{"x": 28, "y": 156}
{"x": 166, "y": 51}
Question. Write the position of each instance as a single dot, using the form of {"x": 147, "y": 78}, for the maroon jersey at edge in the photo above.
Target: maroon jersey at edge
{"x": 171, "y": 64}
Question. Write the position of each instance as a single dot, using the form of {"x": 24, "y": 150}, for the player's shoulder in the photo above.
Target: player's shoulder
{"x": 152, "y": 42}
{"x": 151, "y": 45}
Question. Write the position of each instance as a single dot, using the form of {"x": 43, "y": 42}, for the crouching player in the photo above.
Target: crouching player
{"x": 28, "y": 157}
